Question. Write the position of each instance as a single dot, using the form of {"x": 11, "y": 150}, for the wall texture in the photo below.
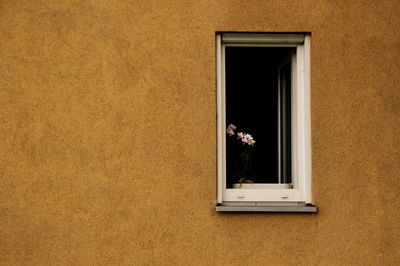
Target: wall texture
{"x": 108, "y": 134}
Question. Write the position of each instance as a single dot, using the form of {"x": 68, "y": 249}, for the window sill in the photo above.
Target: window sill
{"x": 281, "y": 207}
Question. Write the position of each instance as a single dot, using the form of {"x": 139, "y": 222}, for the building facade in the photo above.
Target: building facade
{"x": 108, "y": 134}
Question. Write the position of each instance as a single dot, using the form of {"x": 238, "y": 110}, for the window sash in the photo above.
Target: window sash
{"x": 301, "y": 139}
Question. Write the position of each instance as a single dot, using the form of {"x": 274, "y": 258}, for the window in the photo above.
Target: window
{"x": 263, "y": 95}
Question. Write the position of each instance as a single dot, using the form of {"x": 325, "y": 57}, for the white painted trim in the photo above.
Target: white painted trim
{"x": 301, "y": 132}
{"x": 300, "y": 119}
{"x": 295, "y": 175}
{"x": 243, "y": 194}
{"x": 307, "y": 118}
{"x": 258, "y": 45}
{"x": 303, "y": 120}
{"x": 262, "y": 186}
{"x": 223, "y": 118}
{"x": 221, "y": 165}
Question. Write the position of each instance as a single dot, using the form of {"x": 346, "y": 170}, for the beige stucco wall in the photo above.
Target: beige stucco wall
{"x": 108, "y": 134}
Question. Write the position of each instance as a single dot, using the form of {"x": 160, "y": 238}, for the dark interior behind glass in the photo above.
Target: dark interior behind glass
{"x": 252, "y": 106}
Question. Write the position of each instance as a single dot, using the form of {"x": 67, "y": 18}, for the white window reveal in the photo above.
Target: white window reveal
{"x": 264, "y": 150}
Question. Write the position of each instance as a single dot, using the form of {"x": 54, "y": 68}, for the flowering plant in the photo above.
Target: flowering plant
{"x": 247, "y": 140}
{"x": 245, "y": 137}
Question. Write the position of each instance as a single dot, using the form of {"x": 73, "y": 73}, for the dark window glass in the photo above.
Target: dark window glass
{"x": 252, "y": 106}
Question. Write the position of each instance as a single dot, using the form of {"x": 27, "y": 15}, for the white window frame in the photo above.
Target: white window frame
{"x": 301, "y": 133}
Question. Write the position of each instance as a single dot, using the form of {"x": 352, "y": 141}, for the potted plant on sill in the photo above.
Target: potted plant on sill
{"x": 243, "y": 173}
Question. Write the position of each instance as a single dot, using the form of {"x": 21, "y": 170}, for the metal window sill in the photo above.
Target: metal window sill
{"x": 279, "y": 207}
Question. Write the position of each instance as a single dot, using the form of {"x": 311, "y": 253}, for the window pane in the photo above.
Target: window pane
{"x": 252, "y": 106}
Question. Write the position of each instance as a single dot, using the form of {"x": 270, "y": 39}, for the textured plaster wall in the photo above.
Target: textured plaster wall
{"x": 108, "y": 134}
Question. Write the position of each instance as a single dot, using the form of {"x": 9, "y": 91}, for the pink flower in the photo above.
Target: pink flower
{"x": 244, "y": 137}
{"x": 248, "y": 137}
{"x": 231, "y": 130}
{"x": 232, "y": 126}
